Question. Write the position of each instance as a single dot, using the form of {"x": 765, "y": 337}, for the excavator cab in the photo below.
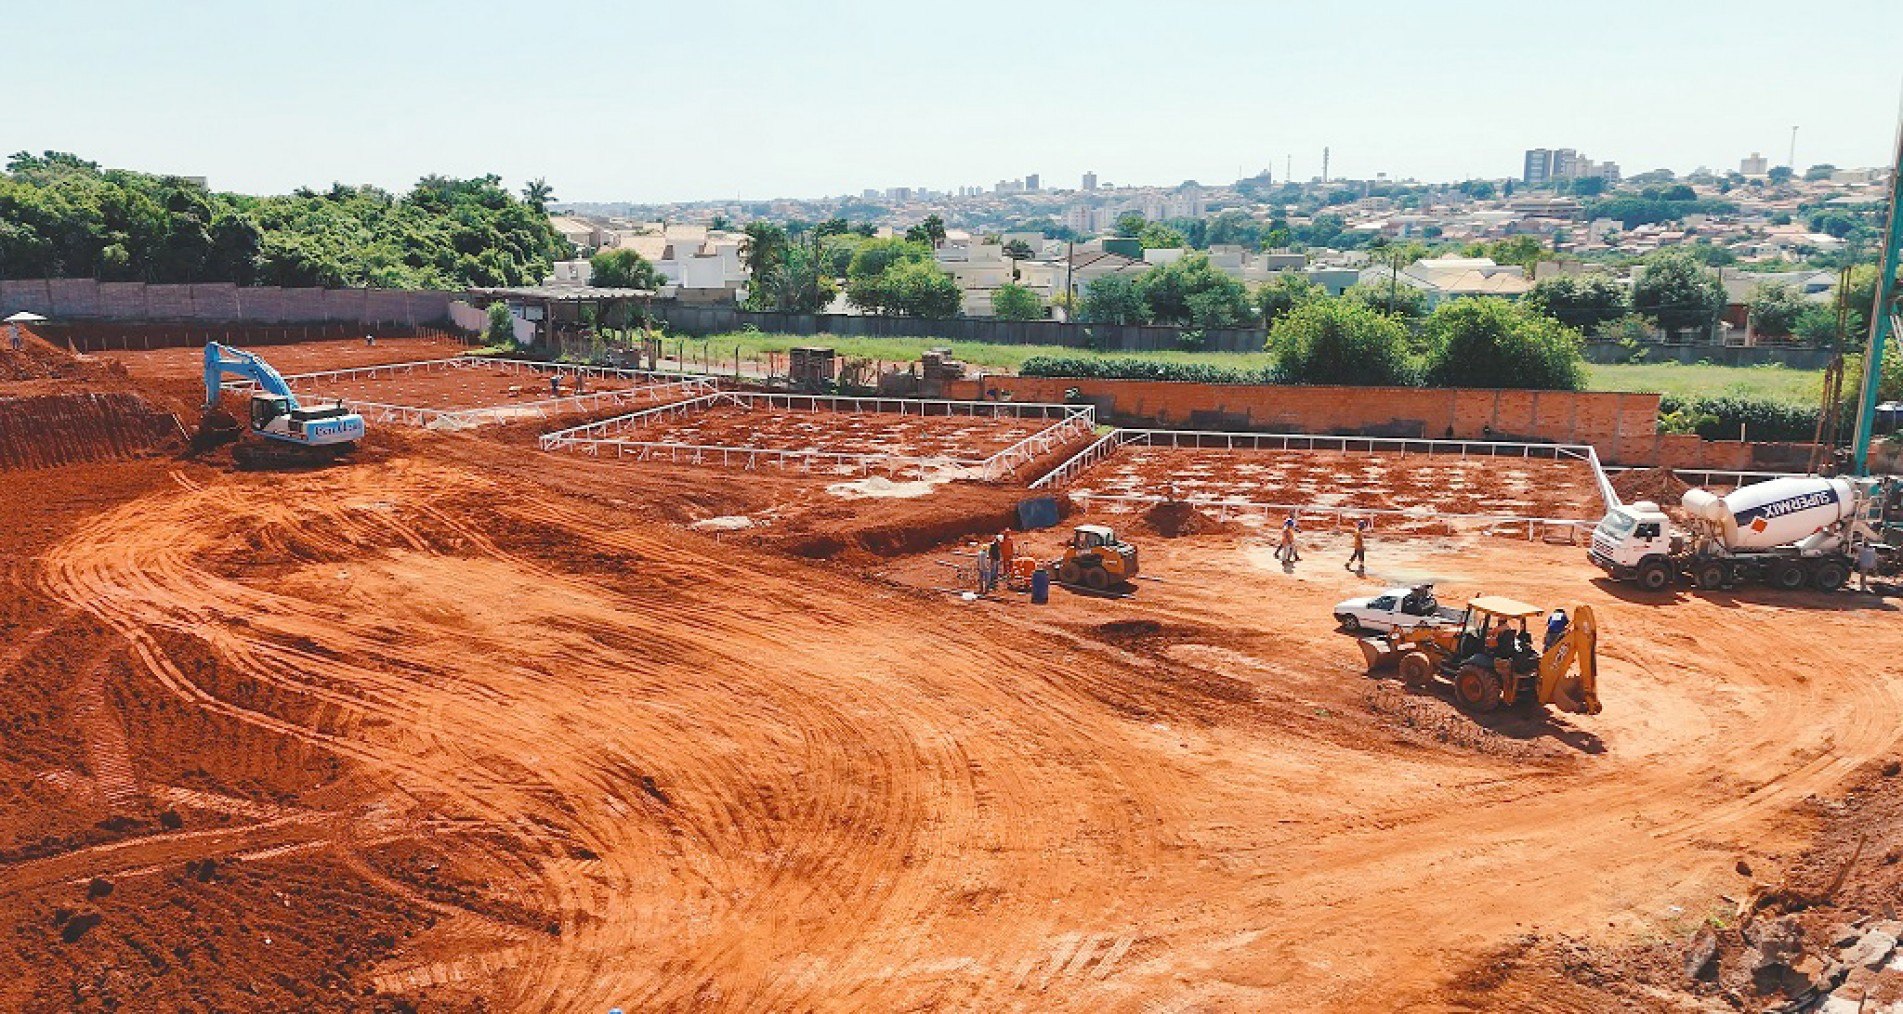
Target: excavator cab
{"x": 1097, "y": 559}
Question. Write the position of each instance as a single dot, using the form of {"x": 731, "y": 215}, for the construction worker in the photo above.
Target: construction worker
{"x": 1360, "y": 555}
{"x": 1555, "y": 628}
{"x": 1286, "y": 552}
{"x": 1866, "y": 562}
{"x": 1007, "y": 549}
{"x": 555, "y": 385}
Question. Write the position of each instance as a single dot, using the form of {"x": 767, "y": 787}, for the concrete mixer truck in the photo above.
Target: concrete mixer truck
{"x": 1786, "y": 532}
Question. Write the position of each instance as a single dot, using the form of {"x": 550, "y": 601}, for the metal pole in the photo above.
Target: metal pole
{"x": 1880, "y": 310}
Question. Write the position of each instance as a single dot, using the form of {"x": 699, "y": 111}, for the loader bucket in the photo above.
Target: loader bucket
{"x": 1379, "y": 653}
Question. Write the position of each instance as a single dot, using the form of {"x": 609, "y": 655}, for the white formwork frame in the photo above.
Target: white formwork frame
{"x": 1069, "y": 424}
{"x": 648, "y": 385}
{"x": 1536, "y": 527}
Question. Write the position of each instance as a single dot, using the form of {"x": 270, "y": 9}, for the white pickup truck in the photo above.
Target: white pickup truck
{"x": 1394, "y": 609}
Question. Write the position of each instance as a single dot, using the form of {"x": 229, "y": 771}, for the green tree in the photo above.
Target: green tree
{"x": 762, "y": 248}
{"x": 1395, "y": 298}
{"x": 1816, "y": 325}
{"x": 1018, "y": 250}
{"x": 1233, "y": 228}
{"x": 1525, "y": 251}
{"x": 930, "y": 232}
{"x": 797, "y": 285}
{"x": 623, "y": 268}
{"x": 1131, "y": 223}
{"x": 907, "y": 287}
{"x": 1157, "y": 236}
{"x": 1678, "y": 292}
{"x": 536, "y": 193}
{"x": 1192, "y": 291}
{"x": 500, "y": 327}
{"x": 1015, "y": 302}
{"x": 1585, "y": 302}
{"x": 1113, "y": 299}
{"x": 1286, "y": 291}
{"x": 1774, "y": 308}
{"x": 875, "y": 257}
{"x": 1493, "y": 343}
{"x": 1334, "y": 341}
{"x": 1820, "y": 171}
{"x": 1779, "y": 175}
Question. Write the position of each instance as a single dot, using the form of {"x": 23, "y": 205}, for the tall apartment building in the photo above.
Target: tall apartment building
{"x": 1543, "y": 165}
{"x": 1090, "y": 181}
{"x": 1756, "y": 165}
{"x": 1030, "y": 184}
{"x": 1538, "y": 167}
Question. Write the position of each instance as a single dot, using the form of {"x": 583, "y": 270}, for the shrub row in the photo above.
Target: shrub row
{"x": 1095, "y": 368}
{"x": 1718, "y": 418}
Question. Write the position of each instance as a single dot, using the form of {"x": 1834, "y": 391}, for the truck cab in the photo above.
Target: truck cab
{"x": 1634, "y": 542}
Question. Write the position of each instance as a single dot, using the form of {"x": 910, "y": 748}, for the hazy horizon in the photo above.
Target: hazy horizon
{"x": 758, "y": 101}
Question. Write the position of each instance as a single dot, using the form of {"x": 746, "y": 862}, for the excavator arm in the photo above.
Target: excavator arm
{"x": 1569, "y": 671}
{"x": 223, "y": 359}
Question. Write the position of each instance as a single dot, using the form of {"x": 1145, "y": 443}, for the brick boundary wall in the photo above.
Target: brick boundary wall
{"x": 87, "y": 299}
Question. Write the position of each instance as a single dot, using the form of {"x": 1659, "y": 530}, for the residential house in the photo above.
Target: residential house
{"x": 1450, "y": 277}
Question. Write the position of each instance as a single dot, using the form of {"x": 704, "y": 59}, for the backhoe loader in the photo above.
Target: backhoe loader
{"x": 1490, "y": 661}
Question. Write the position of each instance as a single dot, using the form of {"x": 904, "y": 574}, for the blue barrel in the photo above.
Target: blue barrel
{"x": 1040, "y": 586}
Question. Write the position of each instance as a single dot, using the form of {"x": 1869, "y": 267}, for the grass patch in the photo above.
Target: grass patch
{"x": 1801, "y": 387}
{"x": 1773, "y": 382}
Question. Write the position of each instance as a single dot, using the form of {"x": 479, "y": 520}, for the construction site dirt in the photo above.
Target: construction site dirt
{"x": 1424, "y": 485}
{"x": 464, "y": 725}
{"x": 956, "y": 437}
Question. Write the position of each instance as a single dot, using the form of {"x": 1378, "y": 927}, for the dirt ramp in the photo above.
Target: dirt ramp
{"x": 43, "y": 431}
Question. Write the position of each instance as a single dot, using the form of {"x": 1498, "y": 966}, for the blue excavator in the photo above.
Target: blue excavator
{"x": 293, "y": 433}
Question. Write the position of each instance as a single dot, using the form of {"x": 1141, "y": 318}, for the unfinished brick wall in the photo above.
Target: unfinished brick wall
{"x": 1559, "y": 416}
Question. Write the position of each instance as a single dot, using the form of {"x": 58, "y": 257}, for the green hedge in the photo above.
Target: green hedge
{"x": 1101, "y": 368}
{"x": 1763, "y": 418}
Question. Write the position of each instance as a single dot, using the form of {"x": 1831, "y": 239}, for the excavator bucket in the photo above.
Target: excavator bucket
{"x": 1574, "y": 682}
{"x": 1380, "y": 653}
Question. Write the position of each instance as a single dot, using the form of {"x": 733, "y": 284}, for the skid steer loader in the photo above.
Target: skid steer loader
{"x": 1490, "y": 661}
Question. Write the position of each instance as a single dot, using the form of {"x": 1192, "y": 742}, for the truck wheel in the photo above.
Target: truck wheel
{"x": 1417, "y": 670}
{"x": 1830, "y": 575}
{"x": 1070, "y": 573}
{"x": 1476, "y": 689}
{"x": 1654, "y": 575}
{"x": 1788, "y": 576}
{"x": 1350, "y": 624}
{"x": 1096, "y": 579}
{"x": 1710, "y": 575}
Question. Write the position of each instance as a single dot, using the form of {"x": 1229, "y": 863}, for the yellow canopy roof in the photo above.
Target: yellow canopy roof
{"x": 1500, "y": 605}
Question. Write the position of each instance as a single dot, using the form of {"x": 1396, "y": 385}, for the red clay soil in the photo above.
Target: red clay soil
{"x": 310, "y": 357}
{"x": 1430, "y": 484}
{"x": 908, "y": 436}
{"x": 453, "y": 389}
{"x": 467, "y": 726}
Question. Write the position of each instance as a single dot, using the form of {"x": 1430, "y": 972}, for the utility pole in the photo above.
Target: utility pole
{"x": 1881, "y": 321}
{"x": 1324, "y": 163}
{"x": 1792, "y": 162}
{"x": 1070, "y": 287}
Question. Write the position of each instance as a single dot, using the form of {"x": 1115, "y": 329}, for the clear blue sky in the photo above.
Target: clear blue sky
{"x": 699, "y": 99}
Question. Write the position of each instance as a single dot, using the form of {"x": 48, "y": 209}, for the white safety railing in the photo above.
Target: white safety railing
{"x": 1712, "y": 476}
{"x": 619, "y": 436}
{"x": 1226, "y": 508}
{"x": 1107, "y": 446}
{"x": 648, "y": 385}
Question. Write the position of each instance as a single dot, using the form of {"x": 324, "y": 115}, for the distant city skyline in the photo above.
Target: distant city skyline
{"x": 759, "y": 101}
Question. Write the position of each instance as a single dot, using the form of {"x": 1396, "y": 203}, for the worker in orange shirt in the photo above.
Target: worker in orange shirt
{"x": 1007, "y": 549}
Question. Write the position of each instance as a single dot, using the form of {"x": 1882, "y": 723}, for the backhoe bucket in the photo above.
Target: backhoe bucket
{"x": 1379, "y": 653}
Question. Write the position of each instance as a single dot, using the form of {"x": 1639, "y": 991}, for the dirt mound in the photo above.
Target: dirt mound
{"x": 59, "y": 429}
{"x": 1659, "y": 485}
{"x": 1176, "y": 518}
{"x": 39, "y": 359}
